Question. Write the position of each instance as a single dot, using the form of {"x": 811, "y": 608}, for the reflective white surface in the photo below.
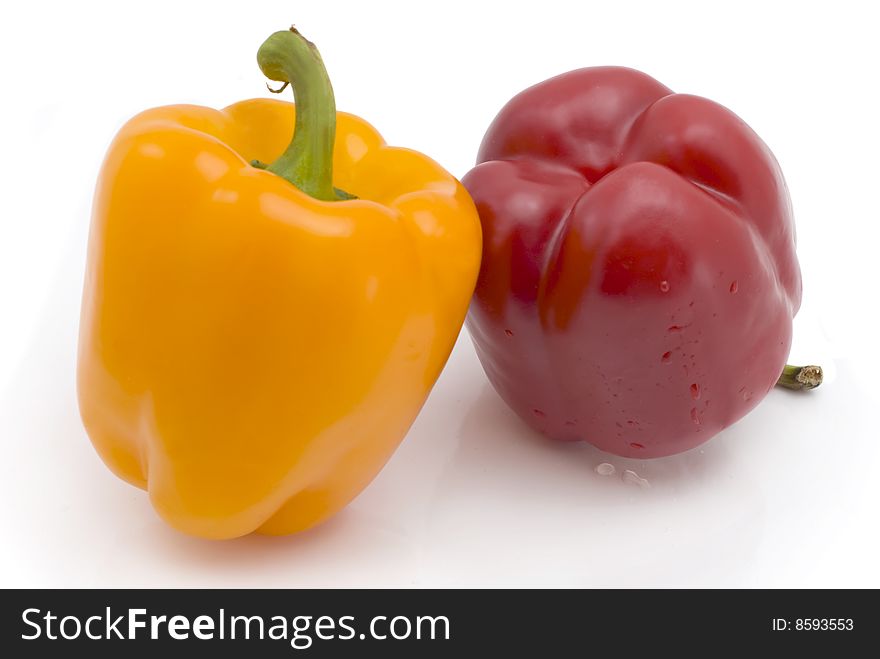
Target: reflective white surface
{"x": 789, "y": 496}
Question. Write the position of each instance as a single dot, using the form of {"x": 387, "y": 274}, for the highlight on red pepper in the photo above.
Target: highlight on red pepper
{"x": 639, "y": 275}
{"x": 256, "y": 339}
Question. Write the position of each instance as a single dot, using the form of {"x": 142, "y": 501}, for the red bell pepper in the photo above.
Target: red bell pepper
{"x": 639, "y": 274}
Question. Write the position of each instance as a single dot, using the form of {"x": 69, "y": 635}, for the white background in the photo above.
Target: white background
{"x": 787, "y": 497}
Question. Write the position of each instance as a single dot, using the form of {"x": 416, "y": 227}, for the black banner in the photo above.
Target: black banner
{"x": 428, "y": 623}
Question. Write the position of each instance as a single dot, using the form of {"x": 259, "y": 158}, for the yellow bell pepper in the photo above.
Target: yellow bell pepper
{"x": 254, "y": 341}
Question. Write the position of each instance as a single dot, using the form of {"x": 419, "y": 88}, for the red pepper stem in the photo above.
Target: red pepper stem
{"x": 800, "y": 378}
{"x": 289, "y": 58}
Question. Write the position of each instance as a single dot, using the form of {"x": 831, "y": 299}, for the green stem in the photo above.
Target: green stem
{"x": 287, "y": 57}
{"x": 800, "y": 378}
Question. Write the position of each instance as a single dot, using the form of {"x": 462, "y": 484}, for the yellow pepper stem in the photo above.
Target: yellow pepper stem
{"x": 290, "y": 58}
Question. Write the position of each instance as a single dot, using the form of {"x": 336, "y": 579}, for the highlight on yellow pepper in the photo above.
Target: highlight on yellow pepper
{"x": 256, "y": 339}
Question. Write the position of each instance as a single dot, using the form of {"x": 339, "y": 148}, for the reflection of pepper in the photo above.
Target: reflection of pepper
{"x": 249, "y": 353}
{"x": 639, "y": 275}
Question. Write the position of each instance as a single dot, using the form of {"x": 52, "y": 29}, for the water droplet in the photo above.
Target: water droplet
{"x": 702, "y": 451}
{"x": 629, "y": 476}
{"x": 605, "y": 469}
{"x": 508, "y": 332}
{"x": 538, "y": 412}
{"x": 694, "y": 416}
{"x": 695, "y": 391}
{"x": 734, "y": 287}
{"x": 636, "y": 445}
{"x": 666, "y": 357}
{"x": 664, "y": 286}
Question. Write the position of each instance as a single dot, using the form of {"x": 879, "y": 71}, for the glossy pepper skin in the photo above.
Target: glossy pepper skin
{"x": 639, "y": 275}
{"x": 249, "y": 354}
